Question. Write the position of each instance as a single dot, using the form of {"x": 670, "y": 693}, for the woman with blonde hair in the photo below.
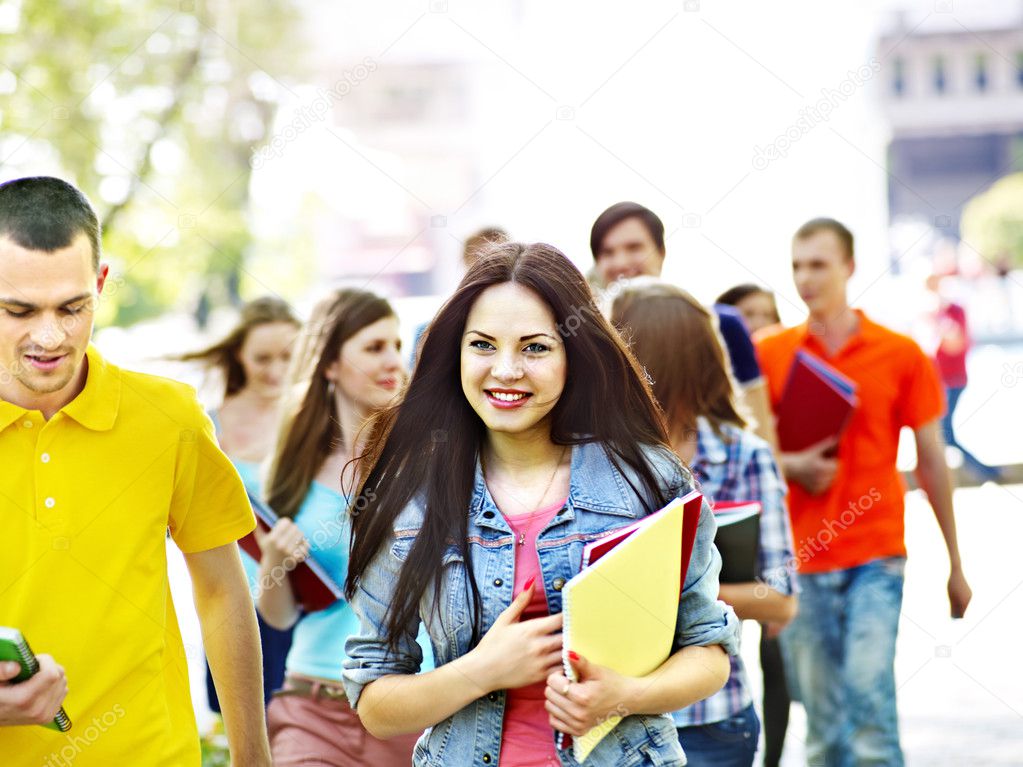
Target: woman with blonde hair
{"x": 347, "y": 366}
{"x": 252, "y": 362}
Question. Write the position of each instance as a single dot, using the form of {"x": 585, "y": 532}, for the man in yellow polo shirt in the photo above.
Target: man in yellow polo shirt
{"x": 97, "y": 464}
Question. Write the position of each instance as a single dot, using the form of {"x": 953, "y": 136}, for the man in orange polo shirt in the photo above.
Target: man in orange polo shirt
{"x": 846, "y": 503}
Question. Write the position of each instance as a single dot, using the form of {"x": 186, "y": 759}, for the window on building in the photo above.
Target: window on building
{"x": 980, "y": 76}
{"x": 899, "y": 77}
{"x": 940, "y": 74}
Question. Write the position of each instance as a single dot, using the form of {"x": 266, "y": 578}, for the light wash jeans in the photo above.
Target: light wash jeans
{"x": 840, "y": 650}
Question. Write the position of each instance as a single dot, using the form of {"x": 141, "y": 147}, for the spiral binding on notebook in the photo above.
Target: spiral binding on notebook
{"x": 30, "y": 664}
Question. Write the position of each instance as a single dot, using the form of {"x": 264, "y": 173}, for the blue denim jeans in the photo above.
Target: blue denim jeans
{"x": 970, "y": 461}
{"x": 841, "y": 651}
{"x": 729, "y": 743}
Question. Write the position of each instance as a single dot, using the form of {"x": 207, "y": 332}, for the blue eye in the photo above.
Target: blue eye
{"x": 482, "y": 345}
{"x": 537, "y": 348}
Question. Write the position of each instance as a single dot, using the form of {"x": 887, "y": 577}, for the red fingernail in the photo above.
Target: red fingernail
{"x": 529, "y": 584}
{"x": 573, "y": 655}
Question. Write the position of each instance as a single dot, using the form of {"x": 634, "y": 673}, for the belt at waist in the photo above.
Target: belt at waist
{"x": 312, "y": 688}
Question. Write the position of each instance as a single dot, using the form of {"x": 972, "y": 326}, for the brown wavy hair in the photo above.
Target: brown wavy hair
{"x": 427, "y": 445}
{"x": 311, "y": 430}
{"x": 223, "y": 355}
{"x": 676, "y": 339}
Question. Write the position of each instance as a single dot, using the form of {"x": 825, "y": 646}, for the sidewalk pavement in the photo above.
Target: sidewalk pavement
{"x": 960, "y": 683}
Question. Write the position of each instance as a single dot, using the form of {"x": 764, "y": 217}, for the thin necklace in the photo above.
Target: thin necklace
{"x": 550, "y": 482}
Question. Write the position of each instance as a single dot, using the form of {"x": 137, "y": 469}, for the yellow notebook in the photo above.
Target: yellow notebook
{"x": 621, "y": 610}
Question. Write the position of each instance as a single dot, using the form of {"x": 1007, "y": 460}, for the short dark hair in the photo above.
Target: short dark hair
{"x": 46, "y": 213}
{"x": 478, "y": 243}
{"x": 815, "y": 225}
{"x": 735, "y": 294}
{"x": 619, "y": 212}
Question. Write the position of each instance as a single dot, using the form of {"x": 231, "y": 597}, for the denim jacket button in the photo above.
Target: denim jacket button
{"x": 488, "y": 515}
{"x": 558, "y": 584}
{"x": 492, "y": 697}
{"x": 562, "y": 510}
{"x": 486, "y": 759}
{"x": 498, "y": 582}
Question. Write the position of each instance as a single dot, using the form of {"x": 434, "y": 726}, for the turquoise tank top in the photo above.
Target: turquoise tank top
{"x": 318, "y": 644}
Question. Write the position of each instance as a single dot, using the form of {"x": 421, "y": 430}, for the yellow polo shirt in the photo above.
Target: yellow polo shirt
{"x": 86, "y": 500}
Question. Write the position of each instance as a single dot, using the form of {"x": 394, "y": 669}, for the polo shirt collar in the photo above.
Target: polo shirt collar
{"x": 865, "y": 332}
{"x": 9, "y": 413}
{"x": 96, "y": 405}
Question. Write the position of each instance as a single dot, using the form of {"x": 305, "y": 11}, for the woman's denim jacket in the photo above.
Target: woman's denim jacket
{"x": 600, "y": 500}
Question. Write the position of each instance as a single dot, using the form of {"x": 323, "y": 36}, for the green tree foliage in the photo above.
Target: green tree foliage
{"x": 154, "y": 109}
{"x": 993, "y": 221}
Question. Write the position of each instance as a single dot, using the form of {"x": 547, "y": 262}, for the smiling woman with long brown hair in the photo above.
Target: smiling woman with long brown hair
{"x": 526, "y": 431}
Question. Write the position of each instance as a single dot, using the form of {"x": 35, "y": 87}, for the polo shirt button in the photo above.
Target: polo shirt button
{"x": 45, "y": 458}
{"x": 50, "y": 503}
{"x": 558, "y": 584}
{"x": 28, "y": 424}
{"x": 498, "y": 582}
{"x": 486, "y": 759}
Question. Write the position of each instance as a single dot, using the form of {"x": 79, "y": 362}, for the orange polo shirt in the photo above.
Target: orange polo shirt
{"x": 862, "y": 515}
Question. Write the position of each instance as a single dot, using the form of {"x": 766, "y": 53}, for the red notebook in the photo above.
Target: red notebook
{"x": 314, "y": 589}
{"x": 816, "y": 403}
{"x": 693, "y": 503}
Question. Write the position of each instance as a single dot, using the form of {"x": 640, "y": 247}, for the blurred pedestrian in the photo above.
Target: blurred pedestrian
{"x": 627, "y": 241}
{"x": 476, "y": 244}
{"x": 953, "y": 346}
{"x": 526, "y": 421}
{"x": 480, "y": 242}
{"x": 756, "y": 304}
{"x": 760, "y": 311}
{"x": 347, "y": 365}
{"x": 252, "y": 360}
{"x": 847, "y": 508}
{"x": 694, "y": 387}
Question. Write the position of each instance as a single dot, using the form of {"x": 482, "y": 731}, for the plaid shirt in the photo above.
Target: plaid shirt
{"x": 740, "y": 467}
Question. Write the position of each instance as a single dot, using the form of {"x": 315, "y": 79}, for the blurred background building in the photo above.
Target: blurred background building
{"x": 953, "y": 96}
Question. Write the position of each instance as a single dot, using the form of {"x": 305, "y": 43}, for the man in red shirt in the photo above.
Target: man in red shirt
{"x": 847, "y": 507}
{"x": 950, "y": 357}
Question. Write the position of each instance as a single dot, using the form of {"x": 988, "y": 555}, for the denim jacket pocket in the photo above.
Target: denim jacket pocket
{"x": 432, "y": 744}
{"x": 643, "y": 741}
{"x": 454, "y": 594}
{"x": 421, "y": 754}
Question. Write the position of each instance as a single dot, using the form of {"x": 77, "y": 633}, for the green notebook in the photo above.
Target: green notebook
{"x": 14, "y": 647}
